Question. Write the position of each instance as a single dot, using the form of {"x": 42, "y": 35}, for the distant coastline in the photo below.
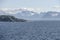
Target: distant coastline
{"x": 9, "y": 18}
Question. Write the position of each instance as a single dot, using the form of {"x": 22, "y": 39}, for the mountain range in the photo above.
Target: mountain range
{"x": 32, "y": 15}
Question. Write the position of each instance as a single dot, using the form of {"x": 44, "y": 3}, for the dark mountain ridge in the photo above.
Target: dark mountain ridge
{"x": 9, "y": 18}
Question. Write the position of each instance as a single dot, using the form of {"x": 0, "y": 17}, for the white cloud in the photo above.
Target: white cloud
{"x": 14, "y": 10}
{"x": 56, "y": 8}
{"x": 38, "y": 10}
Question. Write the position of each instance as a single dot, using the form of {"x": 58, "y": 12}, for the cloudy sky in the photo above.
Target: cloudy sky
{"x": 38, "y": 5}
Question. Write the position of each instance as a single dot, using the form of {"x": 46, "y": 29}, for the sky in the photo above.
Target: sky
{"x": 37, "y": 5}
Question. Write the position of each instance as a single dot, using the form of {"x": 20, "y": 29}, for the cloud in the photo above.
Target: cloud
{"x": 38, "y": 10}
{"x": 15, "y": 10}
{"x": 56, "y": 8}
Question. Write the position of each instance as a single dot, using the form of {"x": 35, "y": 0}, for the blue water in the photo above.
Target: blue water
{"x": 39, "y": 30}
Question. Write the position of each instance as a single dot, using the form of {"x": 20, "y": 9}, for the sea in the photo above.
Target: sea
{"x": 33, "y": 30}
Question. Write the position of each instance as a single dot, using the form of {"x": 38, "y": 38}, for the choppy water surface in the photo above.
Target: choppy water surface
{"x": 39, "y": 30}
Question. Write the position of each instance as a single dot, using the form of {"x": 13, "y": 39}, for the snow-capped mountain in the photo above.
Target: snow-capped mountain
{"x": 51, "y": 14}
{"x": 21, "y": 13}
{"x": 38, "y": 16}
{"x": 30, "y": 14}
{"x": 2, "y": 12}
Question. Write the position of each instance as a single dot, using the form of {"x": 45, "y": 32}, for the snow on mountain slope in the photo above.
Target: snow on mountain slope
{"x": 18, "y": 10}
{"x": 52, "y": 15}
{"x": 29, "y": 13}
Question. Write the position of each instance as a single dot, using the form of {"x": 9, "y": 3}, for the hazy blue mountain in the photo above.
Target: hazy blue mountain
{"x": 42, "y": 15}
{"x": 26, "y": 14}
{"x": 52, "y": 15}
{"x": 2, "y": 12}
{"x": 32, "y": 15}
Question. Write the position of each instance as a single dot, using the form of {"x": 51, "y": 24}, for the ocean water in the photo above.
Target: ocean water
{"x": 37, "y": 30}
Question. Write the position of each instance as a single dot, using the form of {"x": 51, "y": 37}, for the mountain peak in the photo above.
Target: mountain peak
{"x": 30, "y": 14}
